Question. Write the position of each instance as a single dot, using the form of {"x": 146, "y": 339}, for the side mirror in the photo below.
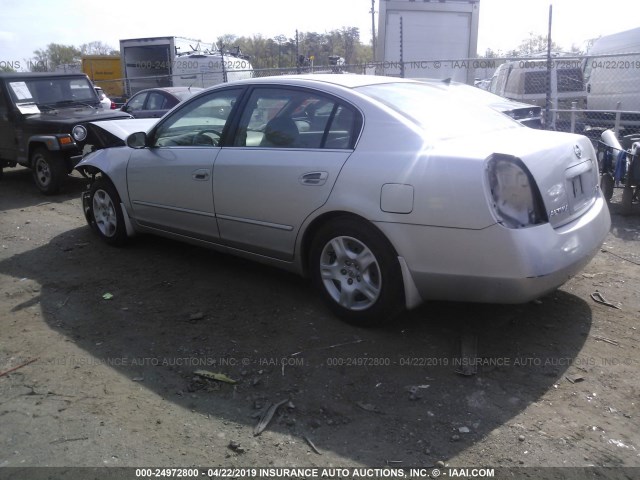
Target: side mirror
{"x": 126, "y": 108}
{"x": 137, "y": 140}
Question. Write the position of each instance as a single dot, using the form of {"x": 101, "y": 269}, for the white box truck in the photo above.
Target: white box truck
{"x": 432, "y": 39}
{"x": 177, "y": 61}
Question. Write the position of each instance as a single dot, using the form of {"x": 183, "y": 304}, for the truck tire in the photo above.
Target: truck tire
{"x": 48, "y": 169}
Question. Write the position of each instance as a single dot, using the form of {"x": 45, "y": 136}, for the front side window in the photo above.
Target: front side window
{"x": 200, "y": 123}
{"x": 137, "y": 102}
{"x": 292, "y": 118}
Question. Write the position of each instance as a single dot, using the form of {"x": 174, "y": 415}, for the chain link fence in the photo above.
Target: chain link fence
{"x": 583, "y": 94}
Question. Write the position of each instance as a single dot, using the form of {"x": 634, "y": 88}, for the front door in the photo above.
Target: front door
{"x": 171, "y": 181}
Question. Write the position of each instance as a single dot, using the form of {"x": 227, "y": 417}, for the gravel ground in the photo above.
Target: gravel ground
{"x": 115, "y": 337}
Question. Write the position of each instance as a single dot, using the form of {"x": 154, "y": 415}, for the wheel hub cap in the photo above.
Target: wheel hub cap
{"x": 43, "y": 172}
{"x": 104, "y": 213}
{"x": 350, "y": 273}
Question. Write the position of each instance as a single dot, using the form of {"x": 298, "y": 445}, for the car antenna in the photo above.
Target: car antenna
{"x": 447, "y": 81}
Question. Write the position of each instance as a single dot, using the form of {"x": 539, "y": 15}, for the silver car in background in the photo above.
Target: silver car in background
{"x": 386, "y": 192}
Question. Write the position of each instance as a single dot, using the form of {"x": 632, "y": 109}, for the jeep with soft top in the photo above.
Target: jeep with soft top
{"x": 45, "y": 124}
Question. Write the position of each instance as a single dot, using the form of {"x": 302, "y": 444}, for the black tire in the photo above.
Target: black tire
{"x": 606, "y": 185}
{"x": 362, "y": 284}
{"x": 627, "y": 199}
{"x": 49, "y": 170}
{"x": 105, "y": 213}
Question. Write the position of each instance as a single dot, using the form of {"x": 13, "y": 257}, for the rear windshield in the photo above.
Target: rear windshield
{"x": 438, "y": 109}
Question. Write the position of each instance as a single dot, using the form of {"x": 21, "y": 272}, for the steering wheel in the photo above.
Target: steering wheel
{"x": 208, "y": 130}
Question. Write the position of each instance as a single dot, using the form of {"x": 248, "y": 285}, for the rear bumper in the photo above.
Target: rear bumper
{"x": 497, "y": 264}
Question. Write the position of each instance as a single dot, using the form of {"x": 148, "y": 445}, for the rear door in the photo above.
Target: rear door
{"x": 288, "y": 150}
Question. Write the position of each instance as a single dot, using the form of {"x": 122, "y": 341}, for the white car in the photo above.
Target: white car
{"x": 386, "y": 192}
{"x": 105, "y": 102}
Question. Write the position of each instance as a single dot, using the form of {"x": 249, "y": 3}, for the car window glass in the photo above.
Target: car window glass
{"x": 569, "y": 80}
{"x": 535, "y": 82}
{"x": 137, "y": 102}
{"x": 156, "y": 101}
{"x": 170, "y": 102}
{"x": 200, "y": 123}
{"x": 502, "y": 80}
{"x": 455, "y": 116}
{"x": 291, "y": 118}
{"x": 588, "y": 65}
{"x": 342, "y": 131}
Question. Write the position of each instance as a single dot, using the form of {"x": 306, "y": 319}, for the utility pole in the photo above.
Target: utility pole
{"x": 224, "y": 70}
{"x": 547, "y": 110}
{"x": 401, "y": 50}
{"x": 373, "y": 28}
{"x": 297, "y": 53}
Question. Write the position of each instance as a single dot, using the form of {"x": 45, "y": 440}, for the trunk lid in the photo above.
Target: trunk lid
{"x": 563, "y": 165}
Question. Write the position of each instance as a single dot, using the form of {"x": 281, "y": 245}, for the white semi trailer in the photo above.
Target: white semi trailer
{"x": 431, "y": 39}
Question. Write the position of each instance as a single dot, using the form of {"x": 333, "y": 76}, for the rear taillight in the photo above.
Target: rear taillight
{"x": 113, "y": 105}
{"x": 515, "y": 196}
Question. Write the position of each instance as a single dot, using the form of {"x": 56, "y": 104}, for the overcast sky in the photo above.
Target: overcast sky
{"x": 26, "y": 25}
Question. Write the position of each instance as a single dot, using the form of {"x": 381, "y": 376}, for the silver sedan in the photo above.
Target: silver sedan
{"x": 385, "y": 192}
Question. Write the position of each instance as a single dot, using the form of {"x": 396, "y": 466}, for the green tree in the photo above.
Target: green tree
{"x": 535, "y": 44}
{"x": 53, "y": 56}
{"x": 227, "y": 40}
{"x": 280, "y": 51}
{"x": 97, "y": 48}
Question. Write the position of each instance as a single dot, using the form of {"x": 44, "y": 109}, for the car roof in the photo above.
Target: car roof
{"x": 171, "y": 89}
{"x": 11, "y": 75}
{"x": 346, "y": 80}
{"x": 621, "y": 42}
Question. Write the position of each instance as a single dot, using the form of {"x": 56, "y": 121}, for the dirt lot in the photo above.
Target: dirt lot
{"x": 113, "y": 380}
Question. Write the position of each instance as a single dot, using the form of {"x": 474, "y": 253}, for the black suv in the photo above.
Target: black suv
{"x": 45, "y": 124}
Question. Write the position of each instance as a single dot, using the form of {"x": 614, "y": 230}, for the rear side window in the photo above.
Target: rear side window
{"x": 570, "y": 80}
{"x": 535, "y": 82}
{"x": 295, "y": 118}
{"x": 157, "y": 101}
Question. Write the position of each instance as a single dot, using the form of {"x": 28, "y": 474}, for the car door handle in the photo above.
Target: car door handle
{"x": 201, "y": 175}
{"x": 314, "y": 178}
